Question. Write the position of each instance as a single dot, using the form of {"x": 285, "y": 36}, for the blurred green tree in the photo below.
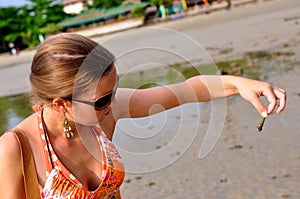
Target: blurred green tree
{"x": 106, "y": 3}
{"x": 160, "y": 2}
{"x": 29, "y": 21}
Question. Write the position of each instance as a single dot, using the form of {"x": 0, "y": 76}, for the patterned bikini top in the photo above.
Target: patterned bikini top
{"x": 61, "y": 184}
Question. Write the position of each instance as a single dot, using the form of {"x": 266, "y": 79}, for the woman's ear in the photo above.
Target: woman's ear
{"x": 60, "y": 105}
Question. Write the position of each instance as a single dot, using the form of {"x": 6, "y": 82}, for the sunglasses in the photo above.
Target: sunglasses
{"x": 102, "y": 102}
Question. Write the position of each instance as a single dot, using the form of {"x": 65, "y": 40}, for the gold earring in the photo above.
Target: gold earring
{"x": 67, "y": 128}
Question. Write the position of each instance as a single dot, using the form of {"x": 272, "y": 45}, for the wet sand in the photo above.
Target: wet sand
{"x": 161, "y": 153}
{"x": 163, "y": 161}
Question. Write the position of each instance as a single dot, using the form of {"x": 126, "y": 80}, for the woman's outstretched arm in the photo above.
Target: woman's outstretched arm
{"x": 144, "y": 102}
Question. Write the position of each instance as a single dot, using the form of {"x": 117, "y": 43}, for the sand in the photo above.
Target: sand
{"x": 161, "y": 152}
{"x": 164, "y": 150}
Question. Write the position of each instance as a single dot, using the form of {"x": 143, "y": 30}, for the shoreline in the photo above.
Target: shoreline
{"x": 27, "y": 54}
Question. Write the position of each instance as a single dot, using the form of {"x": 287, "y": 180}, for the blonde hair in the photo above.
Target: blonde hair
{"x": 63, "y": 60}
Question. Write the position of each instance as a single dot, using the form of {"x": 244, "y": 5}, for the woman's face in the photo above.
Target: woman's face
{"x": 86, "y": 114}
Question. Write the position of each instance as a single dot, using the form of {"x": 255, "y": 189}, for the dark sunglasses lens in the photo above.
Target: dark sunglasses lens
{"x": 104, "y": 101}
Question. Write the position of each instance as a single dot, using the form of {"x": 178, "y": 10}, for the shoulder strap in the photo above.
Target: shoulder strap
{"x": 30, "y": 178}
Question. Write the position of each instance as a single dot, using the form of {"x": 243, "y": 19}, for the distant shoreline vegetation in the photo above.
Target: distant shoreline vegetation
{"x": 25, "y": 26}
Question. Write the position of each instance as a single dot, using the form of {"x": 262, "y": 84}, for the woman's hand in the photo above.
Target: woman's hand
{"x": 251, "y": 90}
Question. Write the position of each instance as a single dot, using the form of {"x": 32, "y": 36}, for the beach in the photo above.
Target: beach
{"x": 166, "y": 163}
{"x": 206, "y": 150}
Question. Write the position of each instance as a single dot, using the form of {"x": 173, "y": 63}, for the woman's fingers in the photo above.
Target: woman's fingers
{"x": 281, "y": 98}
{"x": 275, "y": 97}
{"x": 259, "y": 106}
{"x": 271, "y": 97}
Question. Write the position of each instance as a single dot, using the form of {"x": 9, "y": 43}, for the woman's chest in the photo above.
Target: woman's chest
{"x": 84, "y": 162}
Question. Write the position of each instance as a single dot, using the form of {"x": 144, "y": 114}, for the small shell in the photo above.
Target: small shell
{"x": 261, "y": 124}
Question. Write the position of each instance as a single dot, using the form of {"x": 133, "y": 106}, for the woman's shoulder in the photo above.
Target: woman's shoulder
{"x": 28, "y": 122}
{"x": 8, "y": 141}
{"x": 11, "y": 180}
{"x": 9, "y": 144}
{"x": 10, "y": 153}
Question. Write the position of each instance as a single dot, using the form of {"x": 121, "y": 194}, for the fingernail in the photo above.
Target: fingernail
{"x": 264, "y": 114}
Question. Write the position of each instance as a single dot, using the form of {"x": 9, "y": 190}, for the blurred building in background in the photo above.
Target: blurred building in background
{"x": 75, "y": 6}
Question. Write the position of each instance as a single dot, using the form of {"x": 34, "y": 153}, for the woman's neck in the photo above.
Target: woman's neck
{"x": 53, "y": 122}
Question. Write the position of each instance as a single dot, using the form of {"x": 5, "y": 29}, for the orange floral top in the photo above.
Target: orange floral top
{"x": 61, "y": 184}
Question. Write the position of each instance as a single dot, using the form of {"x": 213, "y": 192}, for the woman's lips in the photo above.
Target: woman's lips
{"x": 106, "y": 113}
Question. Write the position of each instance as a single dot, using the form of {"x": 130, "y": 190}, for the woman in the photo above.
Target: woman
{"x": 74, "y": 82}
